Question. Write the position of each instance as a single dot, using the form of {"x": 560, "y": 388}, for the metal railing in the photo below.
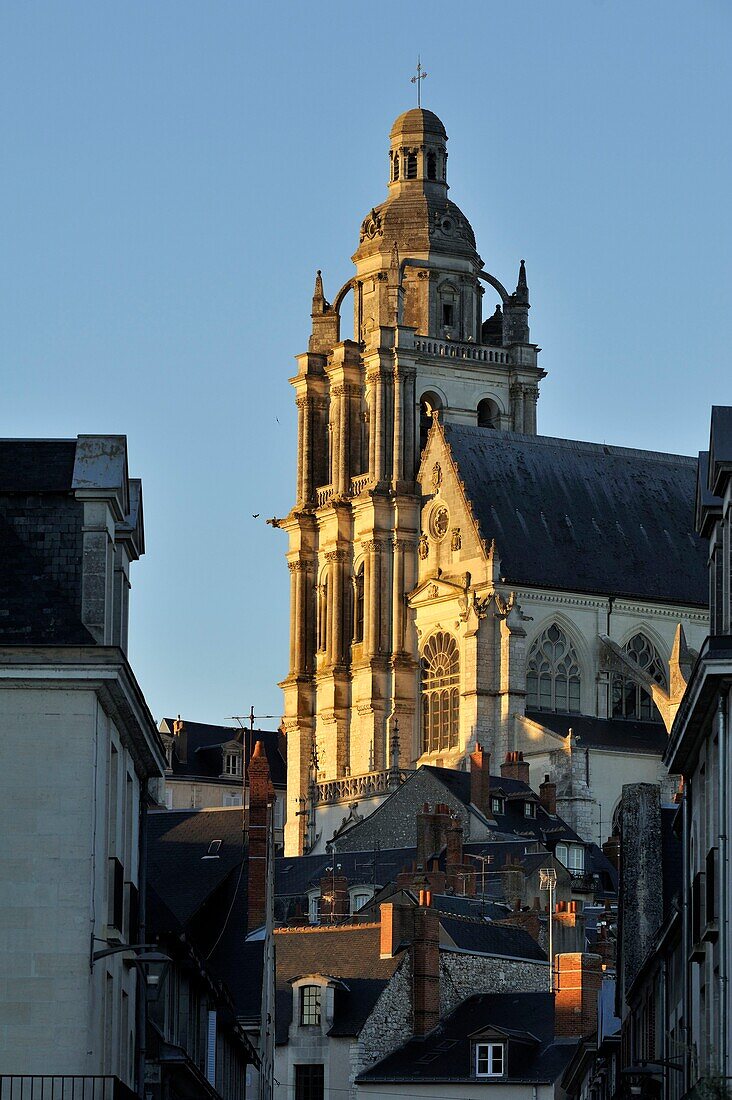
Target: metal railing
{"x": 51, "y": 1086}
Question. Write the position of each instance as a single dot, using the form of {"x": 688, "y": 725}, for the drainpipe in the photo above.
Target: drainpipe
{"x": 722, "y": 899}
{"x": 141, "y": 983}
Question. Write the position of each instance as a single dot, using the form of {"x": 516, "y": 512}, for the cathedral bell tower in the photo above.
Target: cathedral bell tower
{"x": 364, "y": 405}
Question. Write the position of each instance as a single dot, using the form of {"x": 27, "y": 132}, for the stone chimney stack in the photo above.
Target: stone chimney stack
{"x": 579, "y": 977}
{"x": 261, "y": 793}
{"x": 548, "y": 795}
{"x": 480, "y": 780}
{"x": 334, "y": 900}
{"x": 425, "y": 967}
{"x": 641, "y": 893}
{"x": 515, "y": 767}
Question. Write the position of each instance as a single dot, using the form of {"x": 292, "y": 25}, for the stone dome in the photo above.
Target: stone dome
{"x": 418, "y": 121}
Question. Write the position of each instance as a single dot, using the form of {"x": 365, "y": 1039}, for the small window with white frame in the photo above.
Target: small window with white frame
{"x": 489, "y": 1059}
{"x": 310, "y": 1003}
{"x": 529, "y": 809}
{"x": 232, "y": 763}
{"x": 576, "y": 858}
{"x": 359, "y": 898}
{"x": 496, "y": 805}
{"x": 314, "y": 901}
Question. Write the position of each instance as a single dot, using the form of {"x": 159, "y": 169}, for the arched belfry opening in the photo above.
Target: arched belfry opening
{"x": 489, "y": 415}
{"x": 429, "y": 403}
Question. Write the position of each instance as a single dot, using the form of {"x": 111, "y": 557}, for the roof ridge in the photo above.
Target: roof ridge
{"x": 570, "y": 444}
{"x": 300, "y": 929}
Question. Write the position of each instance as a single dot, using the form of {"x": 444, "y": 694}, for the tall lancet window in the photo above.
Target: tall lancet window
{"x": 323, "y": 616}
{"x": 629, "y": 699}
{"x": 553, "y": 673}
{"x": 411, "y": 167}
{"x": 358, "y": 605}
{"x": 431, "y": 166}
{"x": 440, "y": 693}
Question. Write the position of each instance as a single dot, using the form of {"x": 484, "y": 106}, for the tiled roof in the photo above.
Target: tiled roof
{"x": 605, "y": 733}
{"x": 584, "y": 517}
{"x": 340, "y": 951}
{"x": 489, "y": 938}
{"x": 445, "y": 1054}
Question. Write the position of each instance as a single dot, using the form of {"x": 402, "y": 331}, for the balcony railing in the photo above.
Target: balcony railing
{"x": 457, "y": 349}
{"x": 324, "y": 493}
{"x": 359, "y": 483}
{"x": 356, "y": 786}
{"x": 62, "y": 1087}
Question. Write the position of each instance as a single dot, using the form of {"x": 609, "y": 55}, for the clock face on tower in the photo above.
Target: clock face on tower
{"x": 439, "y": 522}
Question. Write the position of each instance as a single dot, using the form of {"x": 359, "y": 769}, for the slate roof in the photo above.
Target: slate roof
{"x": 445, "y": 1054}
{"x": 585, "y": 517}
{"x": 353, "y": 1003}
{"x": 177, "y": 842}
{"x": 296, "y": 875}
{"x": 489, "y": 938}
{"x": 203, "y": 755}
{"x": 606, "y": 733}
{"x": 36, "y": 465}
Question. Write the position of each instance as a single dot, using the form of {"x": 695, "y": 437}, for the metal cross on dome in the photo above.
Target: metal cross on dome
{"x": 418, "y": 81}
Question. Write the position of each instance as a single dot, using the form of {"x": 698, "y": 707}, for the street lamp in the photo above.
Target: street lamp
{"x": 548, "y": 881}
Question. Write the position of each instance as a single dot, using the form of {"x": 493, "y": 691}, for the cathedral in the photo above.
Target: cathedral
{"x": 456, "y": 578}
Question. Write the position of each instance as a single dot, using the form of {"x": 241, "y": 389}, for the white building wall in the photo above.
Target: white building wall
{"x": 59, "y": 828}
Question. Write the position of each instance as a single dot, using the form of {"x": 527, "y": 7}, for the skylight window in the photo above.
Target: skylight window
{"x": 213, "y": 850}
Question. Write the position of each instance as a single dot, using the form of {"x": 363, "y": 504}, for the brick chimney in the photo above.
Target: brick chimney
{"x": 397, "y": 927}
{"x": 569, "y": 927}
{"x": 334, "y": 900}
{"x": 261, "y": 793}
{"x": 480, "y": 780}
{"x": 425, "y": 967}
{"x": 432, "y": 827}
{"x": 515, "y": 767}
{"x": 578, "y": 981}
{"x": 548, "y": 795}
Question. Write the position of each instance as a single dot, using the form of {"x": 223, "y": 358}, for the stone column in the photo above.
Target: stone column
{"x": 397, "y": 598}
{"x": 379, "y": 428}
{"x": 531, "y": 395}
{"x": 301, "y": 640}
{"x": 300, "y": 403}
{"x": 398, "y": 454}
{"x": 409, "y": 404}
{"x": 373, "y": 549}
{"x": 343, "y": 479}
{"x": 517, "y": 406}
{"x": 292, "y": 566}
{"x": 409, "y": 567}
{"x": 307, "y": 452}
{"x": 336, "y": 559}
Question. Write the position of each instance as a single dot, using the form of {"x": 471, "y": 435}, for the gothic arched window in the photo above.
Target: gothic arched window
{"x": 358, "y": 605}
{"x": 440, "y": 693}
{"x": 553, "y": 673}
{"x": 431, "y": 166}
{"x": 628, "y": 698}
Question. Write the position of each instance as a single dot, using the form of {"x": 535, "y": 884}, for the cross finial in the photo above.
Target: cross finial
{"x": 418, "y": 81}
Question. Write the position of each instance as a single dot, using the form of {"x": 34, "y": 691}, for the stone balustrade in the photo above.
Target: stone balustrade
{"x": 457, "y": 349}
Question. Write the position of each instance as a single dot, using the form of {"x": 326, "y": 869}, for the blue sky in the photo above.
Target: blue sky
{"x": 173, "y": 174}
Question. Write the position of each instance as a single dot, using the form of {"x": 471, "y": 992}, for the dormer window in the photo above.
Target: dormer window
{"x": 496, "y": 805}
{"x": 411, "y": 167}
{"x": 232, "y": 763}
{"x": 529, "y": 809}
{"x": 310, "y": 1001}
{"x": 489, "y": 1059}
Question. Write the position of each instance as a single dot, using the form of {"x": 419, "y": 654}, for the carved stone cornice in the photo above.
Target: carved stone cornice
{"x": 304, "y": 402}
{"x": 299, "y": 566}
{"x": 378, "y": 374}
{"x": 373, "y": 546}
{"x": 336, "y": 555}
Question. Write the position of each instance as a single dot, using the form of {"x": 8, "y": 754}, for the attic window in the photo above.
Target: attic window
{"x": 213, "y": 850}
{"x": 529, "y": 809}
{"x": 497, "y": 805}
{"x": 232, "y": 763}
{"x": 310, "y": 997}
{"x": 489, "y": 1059}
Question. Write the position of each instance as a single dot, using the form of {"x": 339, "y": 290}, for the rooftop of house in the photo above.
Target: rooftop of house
{"x": 42, "y": 486}
{"x": 584, "y": 517}
{"x": 524, "y": 1020}
{"x": 198, "y": 749}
